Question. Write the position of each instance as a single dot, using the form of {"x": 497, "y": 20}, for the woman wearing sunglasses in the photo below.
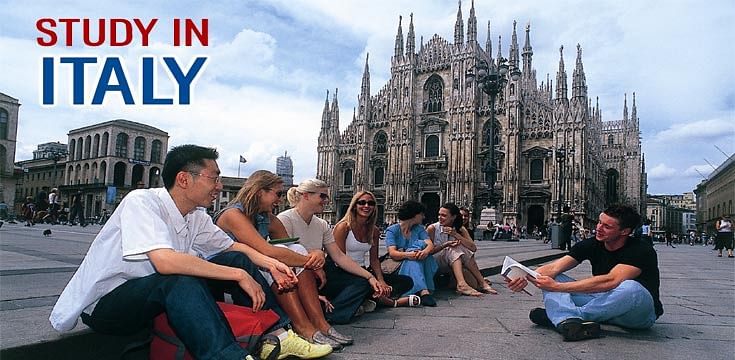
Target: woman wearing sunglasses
{"x": 345, "y": 294}
{"x": 356, "y": 235}
{"x": 454, "y": 251}
{"x": 249, "y": 219}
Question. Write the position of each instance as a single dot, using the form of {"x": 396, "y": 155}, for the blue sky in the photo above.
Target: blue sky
{"x": 271, "y": 63}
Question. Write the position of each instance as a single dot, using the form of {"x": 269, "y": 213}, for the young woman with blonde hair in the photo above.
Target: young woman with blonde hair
{"x": 357, "y": 234}
{"x": 308, "y": 199}
{"x": 249, "y": 219}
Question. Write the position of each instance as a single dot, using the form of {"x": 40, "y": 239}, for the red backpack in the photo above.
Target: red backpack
{"x": 247, "y": 326}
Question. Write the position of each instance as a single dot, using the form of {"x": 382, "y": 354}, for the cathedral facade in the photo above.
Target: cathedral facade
{"x": 431, "y": 134}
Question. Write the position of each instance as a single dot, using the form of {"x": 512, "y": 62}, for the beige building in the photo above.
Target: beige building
{"x": 715, "y": 196}
{"x": 109, "y": 159}
{"x": 44, "y": 172}
{"x": 427, "y": 135}
{"x": 9, "y": 108}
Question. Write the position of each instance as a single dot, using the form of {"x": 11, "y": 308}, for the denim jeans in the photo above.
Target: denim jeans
{"x": 189, "y": 305}
{"x": 629, "y": 305}
{"x": 345, "y": 291}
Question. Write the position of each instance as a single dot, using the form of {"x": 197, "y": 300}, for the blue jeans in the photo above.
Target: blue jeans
{"x": 345, "y": 291}
{"x": 189, "y": 305}
{"x": 629, "y": 305}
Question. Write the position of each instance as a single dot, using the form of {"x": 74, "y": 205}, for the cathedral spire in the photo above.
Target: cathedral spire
{"x": 527, "y": 52}
{"x": 579, "y": 83}
{"x": 625, "y": 107}
{"x": 561, "y": 77}
{"x": 335, "y": 111}
{"x": 459, "y": 26}
{"x": 472, "y": 26}
{"x": 489, "y": 42}
{"x": 513, "y": 61}
{"x": 399, "y": 40}
{"x": 365, "y": 88}
{"x": 325, "y": 113}
{"x": 634, "y": 113}
{"x": 410, "y": 40}
{"x": 500, "y": 53}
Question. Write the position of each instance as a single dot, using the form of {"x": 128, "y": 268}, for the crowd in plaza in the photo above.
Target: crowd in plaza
{"x": 160, "y": 252}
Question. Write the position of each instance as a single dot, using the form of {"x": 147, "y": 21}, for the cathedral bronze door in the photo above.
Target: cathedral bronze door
{"x": 431, "y": 202}
{"x": 535, "y": 217}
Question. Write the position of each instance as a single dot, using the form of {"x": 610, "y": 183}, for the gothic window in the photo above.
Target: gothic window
{"x": 378, "y": 176}
{"x": 610, "y": 140}
{"x": 156, "y": 147}
{"x": 3, "y": 124}
{"x": 380, "y": 143}
{"x": 347, "y": 178}
{"x": 433, "y": 94}
{"x": 139, "y": 149}
{"x": 121, "y": 145}
{"x": 611, "y": 186}
{"x": 432, "y": 146}
{"x": 490, "y": 133}
{"x": 537, "y": 170}
{"x": 512, "y": 89}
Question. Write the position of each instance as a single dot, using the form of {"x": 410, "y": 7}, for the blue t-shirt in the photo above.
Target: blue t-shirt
{"x": 393, "y": 237}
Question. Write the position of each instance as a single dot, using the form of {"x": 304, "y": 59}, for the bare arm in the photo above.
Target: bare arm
{"x": 169, "y": 262}
{"x": 233, "y": 221}
{"x": 550, "y": 270}
{"x": 599, "y": 283}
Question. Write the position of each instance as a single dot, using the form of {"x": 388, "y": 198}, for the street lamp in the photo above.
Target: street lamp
{"x": 491, "y": 79}
{"x": 561, "y": 157}
{"x": 56, "y": 156}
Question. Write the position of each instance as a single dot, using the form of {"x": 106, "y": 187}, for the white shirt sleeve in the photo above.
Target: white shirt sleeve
{"x": 144, "y": 227}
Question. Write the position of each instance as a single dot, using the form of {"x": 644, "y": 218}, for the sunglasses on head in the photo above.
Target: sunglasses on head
{"x": 365, "y": 202}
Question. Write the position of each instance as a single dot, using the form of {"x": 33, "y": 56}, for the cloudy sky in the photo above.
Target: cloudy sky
{"x": 271, "y": 62}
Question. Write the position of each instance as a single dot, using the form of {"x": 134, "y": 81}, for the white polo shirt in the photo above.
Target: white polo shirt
{"x": 313, "y": 236}
{"x": 146, "y": 219}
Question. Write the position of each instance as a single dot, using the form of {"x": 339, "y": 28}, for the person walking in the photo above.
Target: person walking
{"x": 724, "y": 236}
{"x": 669, "y": 240}
{"x": 77, "y": 210}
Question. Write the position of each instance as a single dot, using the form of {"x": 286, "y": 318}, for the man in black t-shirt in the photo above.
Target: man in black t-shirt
{"x": 624, "y": 288}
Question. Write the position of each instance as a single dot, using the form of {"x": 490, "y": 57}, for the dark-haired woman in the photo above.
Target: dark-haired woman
{"x": 454, "y": 251}
{"x": 409, "y": 243}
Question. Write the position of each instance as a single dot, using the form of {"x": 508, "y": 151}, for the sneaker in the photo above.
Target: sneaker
{"x": 428, "y": 300}
{"x": 249, "y": 357}
{"x": 574, "y": 329}
{"x": 360, "y": 311}
{"x": 341, "y": 338}
{"x": 538, "y": 316}
{"x": 320, "y": 338}
{"x": 369, "y": 305}
{"x": 296, "y": 346}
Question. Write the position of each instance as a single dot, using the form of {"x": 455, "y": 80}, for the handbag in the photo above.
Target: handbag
{"x": 389, "y": 266}
{"x": 247, "y": 326}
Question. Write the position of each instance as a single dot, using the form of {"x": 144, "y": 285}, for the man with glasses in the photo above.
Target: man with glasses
{"x": 624, "y": 288}
{"x": 160, "y": 252}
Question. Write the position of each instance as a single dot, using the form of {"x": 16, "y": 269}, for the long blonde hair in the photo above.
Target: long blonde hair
{"x": 306, "y": 186}
{"x": 351, "y": 215}
{"x": 249, "y": 193}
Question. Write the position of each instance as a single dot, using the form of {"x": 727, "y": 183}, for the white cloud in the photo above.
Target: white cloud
{"x": 707, "y": 130}
{"x": 698, "y": 171}
{"x": 661, "y": 171}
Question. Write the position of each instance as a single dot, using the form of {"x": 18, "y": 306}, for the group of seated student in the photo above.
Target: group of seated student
{"x": 160, "y": 252}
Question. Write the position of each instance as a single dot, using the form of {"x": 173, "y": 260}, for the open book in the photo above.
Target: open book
{"x": 513, "y": 269}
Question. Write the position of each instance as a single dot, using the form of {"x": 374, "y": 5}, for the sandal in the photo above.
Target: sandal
{"x": 487, "y": 289}
{"x": 468, "y": 291}
{"x": 414, "y": 300}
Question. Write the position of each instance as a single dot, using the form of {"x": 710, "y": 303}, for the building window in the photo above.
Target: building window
{"x": 3, "y": 124}
{"x": 139, "y": 149}
{"x": 156, "y": 147}
{"x": 347, "y": 178}
{"x": 610, "y": 140}
{"x": 378, "y": 177}
{"x": 121, "y": 145}
{"x": 434, "y": 94}
{"x": 432, "y": 146}
{"x": 380, "y": 143}
{"x": 611, "y": 186}
{"x": 537, "y": 170}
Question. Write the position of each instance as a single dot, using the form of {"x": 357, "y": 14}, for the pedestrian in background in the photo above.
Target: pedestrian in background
{"x": 724, "y": 236}
{"x": 76, "y": 210}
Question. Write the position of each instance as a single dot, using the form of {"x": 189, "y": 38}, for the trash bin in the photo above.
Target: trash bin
{"x": 554, "y": 231}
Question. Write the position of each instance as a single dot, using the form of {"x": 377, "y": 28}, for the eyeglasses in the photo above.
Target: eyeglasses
{"x": 365, "y": 202}
{"x": 278, "y": 193}
{"x": 217, "y": 179}
{"x": 323, "y": 196}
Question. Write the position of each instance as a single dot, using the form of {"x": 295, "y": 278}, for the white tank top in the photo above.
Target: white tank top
{"x": 439, "y": 236}
{"x": 355, "y": 249}
{"x": 725, "y": 226}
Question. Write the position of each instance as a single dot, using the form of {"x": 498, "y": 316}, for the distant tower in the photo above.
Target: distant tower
{"x": 284, "y": 169}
